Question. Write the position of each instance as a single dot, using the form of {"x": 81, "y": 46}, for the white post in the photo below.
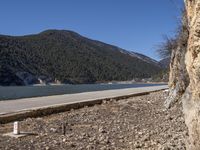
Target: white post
{"x": 16, "y": 129}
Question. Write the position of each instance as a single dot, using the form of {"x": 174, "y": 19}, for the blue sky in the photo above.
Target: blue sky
{"x": 136, "y": 25}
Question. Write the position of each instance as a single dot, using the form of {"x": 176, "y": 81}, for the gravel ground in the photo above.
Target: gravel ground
{"x": 135, "y": 123}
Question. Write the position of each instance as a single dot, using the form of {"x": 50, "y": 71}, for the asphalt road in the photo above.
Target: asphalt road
{"x": 11, "y": 106}
{"x": 18, "y": 92}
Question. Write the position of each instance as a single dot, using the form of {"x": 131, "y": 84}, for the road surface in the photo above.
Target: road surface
{"x": 11, "y": 106}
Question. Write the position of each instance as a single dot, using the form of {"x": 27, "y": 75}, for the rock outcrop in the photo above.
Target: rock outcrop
{"x": 191, "y": 98}
{"x": 178, "y": 77}
{"x": 185, "y": 75}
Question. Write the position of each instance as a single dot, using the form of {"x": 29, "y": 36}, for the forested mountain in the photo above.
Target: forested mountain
{"x": 164, "y": 63}
{"x": 68, "y": 57}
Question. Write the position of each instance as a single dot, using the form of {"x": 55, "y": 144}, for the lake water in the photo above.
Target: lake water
{"x": 16, "y": 92}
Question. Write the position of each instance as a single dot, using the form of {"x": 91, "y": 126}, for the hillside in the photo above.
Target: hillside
{"x": 67, "y": 57}
{"x": 165, "y": 62}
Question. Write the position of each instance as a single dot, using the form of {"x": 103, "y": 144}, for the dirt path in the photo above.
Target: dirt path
{"x": 135, "y": 123}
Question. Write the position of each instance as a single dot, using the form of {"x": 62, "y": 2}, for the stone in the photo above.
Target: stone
{"x": 53, "y": 130}
{"x": 47, "y": 148}
{"x": 64, "y": 140}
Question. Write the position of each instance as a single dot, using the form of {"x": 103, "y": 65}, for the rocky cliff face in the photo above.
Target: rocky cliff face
{"x": 191, "y": 98}
{"x": 185, "y": 75}
{"x": 178, "y": 77}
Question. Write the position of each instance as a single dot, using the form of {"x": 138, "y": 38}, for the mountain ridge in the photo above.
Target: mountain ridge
{"x": 68, "y": 57}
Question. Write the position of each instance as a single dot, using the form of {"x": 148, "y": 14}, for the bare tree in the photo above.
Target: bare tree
{"x": 165, "y": 49}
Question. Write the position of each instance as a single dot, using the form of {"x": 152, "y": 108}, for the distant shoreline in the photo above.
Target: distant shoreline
{"x": 96, "y": 83}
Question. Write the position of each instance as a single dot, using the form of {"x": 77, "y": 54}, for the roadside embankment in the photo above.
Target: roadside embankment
{"x": 139, "y": 122}
{"x": 41, "y": 106}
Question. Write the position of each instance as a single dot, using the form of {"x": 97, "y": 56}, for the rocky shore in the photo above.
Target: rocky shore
{"x": 135, "y": 123}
